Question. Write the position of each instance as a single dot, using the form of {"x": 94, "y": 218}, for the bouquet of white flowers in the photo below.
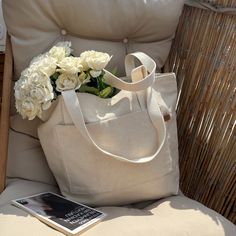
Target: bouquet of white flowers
{"x": 58, "y": 70}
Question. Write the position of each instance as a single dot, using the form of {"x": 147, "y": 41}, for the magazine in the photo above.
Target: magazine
{"x": 65, "y": 215}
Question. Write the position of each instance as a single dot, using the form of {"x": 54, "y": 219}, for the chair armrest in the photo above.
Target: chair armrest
{"x": 5, "y": 111}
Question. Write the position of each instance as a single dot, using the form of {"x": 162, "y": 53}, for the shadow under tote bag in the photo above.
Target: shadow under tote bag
{"x": 118, "y": 150}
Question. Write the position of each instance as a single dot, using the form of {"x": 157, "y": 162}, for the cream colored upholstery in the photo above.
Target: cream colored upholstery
{"x": 173, "y": 216}
{"x": 116, "y": 27}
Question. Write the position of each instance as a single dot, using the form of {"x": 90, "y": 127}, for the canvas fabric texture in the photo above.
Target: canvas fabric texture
{"x": 118, "y": 150}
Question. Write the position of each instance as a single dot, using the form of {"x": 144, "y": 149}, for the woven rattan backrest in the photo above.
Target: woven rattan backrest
{"x": 204, "y": 59}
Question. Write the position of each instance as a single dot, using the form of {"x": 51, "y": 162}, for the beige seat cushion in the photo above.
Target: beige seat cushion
{"x": 173, "y": 216}
{"x": 17, "y": 188}
{"x": 26, "y": 158}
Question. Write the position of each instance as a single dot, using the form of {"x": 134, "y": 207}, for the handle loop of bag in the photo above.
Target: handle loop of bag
{"x": 143, "y": 84}
{"x": 73, "y": 107}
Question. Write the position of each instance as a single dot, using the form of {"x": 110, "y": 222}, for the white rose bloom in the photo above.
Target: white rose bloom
{"x": 58, "y": 53}
{"x": 67, "y": 82}
{"x": 95, "y": 73}
{"x": 70, "y": 65}
{"x": 94, "y": 60}
{"x": 66, "y": 45}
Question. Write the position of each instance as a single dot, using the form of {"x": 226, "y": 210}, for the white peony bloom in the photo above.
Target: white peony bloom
{"x": 28, "y": 108}
{"x": 20, "y": 86}
{"x": 26, "y": 73}
{"x": 33, "y": 94}
{"x": 37, "y": 59}
{"x": 43, "y": 64}
{"x": 41, "y": 88}
{"x": 67, "y": 82}
{"x": 41, "y": 93}
{"x": 94, "y": 60}
{"x": 38, "y": 78}
{"x": 70, "y": 65}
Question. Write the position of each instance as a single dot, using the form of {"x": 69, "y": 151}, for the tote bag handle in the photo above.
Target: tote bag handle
{"x": 147, "y": 63}
{"x": 74, "y": 109}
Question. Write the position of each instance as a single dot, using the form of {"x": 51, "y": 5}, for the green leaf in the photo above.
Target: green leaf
{"x": 87, "y": 89}
{"x": 106, "y": 92}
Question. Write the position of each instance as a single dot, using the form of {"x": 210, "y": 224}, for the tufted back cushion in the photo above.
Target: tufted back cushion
{"x": 114, "y": 26}
{"x": 117, "y": 27}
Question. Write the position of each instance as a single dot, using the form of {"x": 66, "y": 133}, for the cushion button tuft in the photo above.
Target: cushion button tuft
{"x": 125, "y": 40}
{"x": 63, "y": 32}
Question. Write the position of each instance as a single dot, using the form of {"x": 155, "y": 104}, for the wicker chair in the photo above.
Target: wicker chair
{"x": 203, "y": 58}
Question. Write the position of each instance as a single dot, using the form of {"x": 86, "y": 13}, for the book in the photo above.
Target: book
{"x": 63, "y": 214}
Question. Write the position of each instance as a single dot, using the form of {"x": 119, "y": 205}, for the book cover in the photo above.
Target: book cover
{"x": 60, "y": 213}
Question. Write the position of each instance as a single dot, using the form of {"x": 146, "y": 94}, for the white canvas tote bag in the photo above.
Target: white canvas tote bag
{"x": 118, "y": 150}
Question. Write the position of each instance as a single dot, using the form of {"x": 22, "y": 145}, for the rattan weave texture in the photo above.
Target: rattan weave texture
{"x": 204, "y": 58}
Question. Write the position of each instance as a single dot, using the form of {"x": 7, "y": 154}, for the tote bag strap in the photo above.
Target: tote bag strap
{"x": 74, "y": 109}
{"x": 147, "y": 63}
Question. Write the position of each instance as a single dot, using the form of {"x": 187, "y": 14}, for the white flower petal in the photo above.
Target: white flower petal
{"x": 94, "y": 60}
{"x": 31, "y": 92}
{"x": 95, "y": 73}
{"x": 70, "y": 65}
{"x": 67, "y": 82}
{"x": 58, "y": 53}
{"x": 67, "y": 47}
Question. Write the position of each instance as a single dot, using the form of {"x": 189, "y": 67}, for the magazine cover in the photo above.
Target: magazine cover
{"x": 64, "y": 215}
